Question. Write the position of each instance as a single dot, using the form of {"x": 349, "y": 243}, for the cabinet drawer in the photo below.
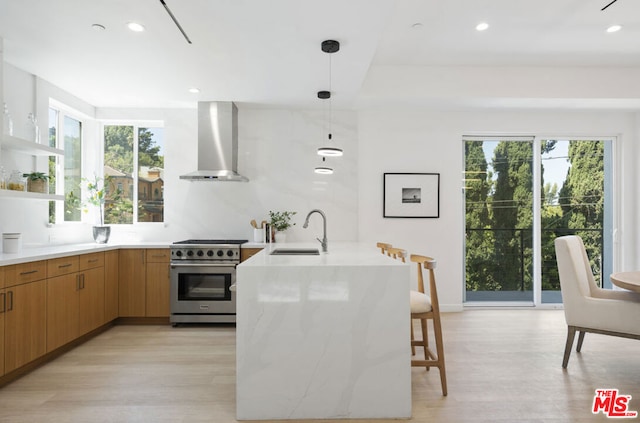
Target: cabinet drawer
{"x": 1, "y": 277}
{"x": 17, "y": 274}
{"x": 62, "y": 266}
{"x": 90, "y": 261}
{"x": 158, "y": 255}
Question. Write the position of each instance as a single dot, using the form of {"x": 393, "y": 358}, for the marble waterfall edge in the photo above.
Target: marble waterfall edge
{"x": 323, "y": 337}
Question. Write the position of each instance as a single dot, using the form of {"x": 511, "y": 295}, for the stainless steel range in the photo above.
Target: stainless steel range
{"x": 202, "y": 273}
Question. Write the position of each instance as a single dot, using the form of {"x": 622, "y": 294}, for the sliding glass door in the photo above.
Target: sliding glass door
{"x": 577, "y": 200}
{"x": 521, "y": 193}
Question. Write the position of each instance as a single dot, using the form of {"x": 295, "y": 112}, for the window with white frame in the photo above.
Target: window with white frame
{"x": 65, "y": 132}
{"x": 134, "y": 173}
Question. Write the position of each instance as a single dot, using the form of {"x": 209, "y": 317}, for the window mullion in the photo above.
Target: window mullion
{"x": 134, "y": 173}
{"x": 537, "y": 223}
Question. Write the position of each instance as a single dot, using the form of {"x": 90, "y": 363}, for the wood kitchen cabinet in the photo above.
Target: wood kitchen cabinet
{"x": 91, "y": 292}
{"x": 63, "y": 315}
{"x": 3, "y": 310}
{"x": 132, "y": 276}
{"x": 75, "y": 297}
{"x": 247, "y": 253}
{"x": 157, "y": 282}
{"x": 110, "y": 285}
{"x": 25, "y": 321}
{"x": 17, "y": 274}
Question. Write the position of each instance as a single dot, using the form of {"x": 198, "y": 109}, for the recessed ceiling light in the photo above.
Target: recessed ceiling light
{"x": 482, "y": 26}
{"x": 614, "y": 28}
{"x": 98, "y": 27}
{"x": 194, "y": 90}
{"x": 135, "y": 26}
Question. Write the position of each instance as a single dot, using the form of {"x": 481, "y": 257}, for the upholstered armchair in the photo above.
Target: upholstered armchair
{"x": 588, "y": 308}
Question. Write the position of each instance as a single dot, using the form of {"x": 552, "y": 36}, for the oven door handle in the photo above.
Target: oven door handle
{"x": 174, "y": 265}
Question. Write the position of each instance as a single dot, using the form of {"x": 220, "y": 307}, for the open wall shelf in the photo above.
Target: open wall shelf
{"x": 11, "y": 143}
{"x": 7, "y": 193}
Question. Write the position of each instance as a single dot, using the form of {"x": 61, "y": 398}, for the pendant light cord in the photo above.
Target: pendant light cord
{"x": 330, "y": 101}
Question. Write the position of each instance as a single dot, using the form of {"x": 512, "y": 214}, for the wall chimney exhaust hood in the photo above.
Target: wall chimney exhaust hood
{"x": 217, "y": 143}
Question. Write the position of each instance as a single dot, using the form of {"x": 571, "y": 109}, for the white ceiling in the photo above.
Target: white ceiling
{"x": 267, "y": 52}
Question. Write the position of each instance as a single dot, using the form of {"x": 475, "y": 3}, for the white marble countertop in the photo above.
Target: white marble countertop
{"x": 340, "y": 254}
{"x": 324, "y": 336}
{"x": 29, "y": 254}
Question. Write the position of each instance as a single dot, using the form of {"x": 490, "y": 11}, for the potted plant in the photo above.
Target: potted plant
{"x": 280, "y": 222}
{"x": 96, "y": 197}
{"x": 37, "y": 182}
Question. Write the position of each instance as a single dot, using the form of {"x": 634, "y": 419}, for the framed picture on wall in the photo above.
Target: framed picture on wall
{"x": 413, "y": 195}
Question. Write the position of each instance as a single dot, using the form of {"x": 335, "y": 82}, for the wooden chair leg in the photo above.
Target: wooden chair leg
{"x": 437, "y": 331}
{"x": 413, "y": 348}
{"x": 425, "y": 339}
{"x": 571, "y": 333}
{"x": 580, "y": 340}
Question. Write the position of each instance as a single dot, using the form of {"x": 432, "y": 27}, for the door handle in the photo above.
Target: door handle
{"x": 4, "y": 302}
{"x": 62, "y": 266}
{"x": 10, "y": 294}
{"x": 82, "y": 281}
{"x": 28, "y": 273}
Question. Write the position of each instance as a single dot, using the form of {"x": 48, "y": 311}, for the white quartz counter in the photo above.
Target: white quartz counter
{"x": 54, "y": 251}
{"x": 340, "y": 254}
{"x": 323, "y": 336}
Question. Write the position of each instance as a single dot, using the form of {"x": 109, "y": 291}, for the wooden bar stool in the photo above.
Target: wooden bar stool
{"x": 425, "y": 307}
{"x": 397, "y": 253}
{"x": 383, "y": 247}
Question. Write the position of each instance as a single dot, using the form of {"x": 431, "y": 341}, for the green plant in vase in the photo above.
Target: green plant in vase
{"x": 96, "y": 197}
{"x": 37, "y": 182}
{"x": 280, "y": 222}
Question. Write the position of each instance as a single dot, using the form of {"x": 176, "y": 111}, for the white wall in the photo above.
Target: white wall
{"x": 25, "y": 93}
{"x": 429, "y": 141}
{"x": 277, "y": 152}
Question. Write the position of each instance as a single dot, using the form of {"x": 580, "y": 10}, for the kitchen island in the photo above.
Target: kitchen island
{"x": 323, "y": 336}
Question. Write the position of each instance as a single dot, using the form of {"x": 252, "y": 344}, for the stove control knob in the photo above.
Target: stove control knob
{"x": 179, "y": 253}
{"x": 210, "y": 253}
{"x": 230, "y": 253}
{"x": 189, "y": 253}
{"x": 220, "y": 253}
{"x": 200, "y": 253}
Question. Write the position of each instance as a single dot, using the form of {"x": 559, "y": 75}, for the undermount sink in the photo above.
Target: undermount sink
{"x": 295, "y": 252}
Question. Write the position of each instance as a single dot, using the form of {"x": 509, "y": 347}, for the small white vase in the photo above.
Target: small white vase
{"x": 281, "y": 237}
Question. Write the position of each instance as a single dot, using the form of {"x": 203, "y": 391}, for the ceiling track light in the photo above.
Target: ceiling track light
{"x": 175, "y": 21}
{"x": 328, "y": 46}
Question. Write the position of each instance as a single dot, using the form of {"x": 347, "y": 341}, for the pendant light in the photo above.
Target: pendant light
{"x": 330, "y": 47}
{"x": 324, "y": 170}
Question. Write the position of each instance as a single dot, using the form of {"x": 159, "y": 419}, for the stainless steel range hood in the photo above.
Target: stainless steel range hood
{"x": 217, "y": 143}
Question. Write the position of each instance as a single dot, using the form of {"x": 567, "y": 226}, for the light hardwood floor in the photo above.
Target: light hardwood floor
{"x": 502, "y": 366}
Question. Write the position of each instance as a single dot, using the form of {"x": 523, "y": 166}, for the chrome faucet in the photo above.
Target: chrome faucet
{"x": 322, "y": 241}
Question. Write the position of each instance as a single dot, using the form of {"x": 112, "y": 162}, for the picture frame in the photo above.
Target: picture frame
{"x": 411, "y": 195}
